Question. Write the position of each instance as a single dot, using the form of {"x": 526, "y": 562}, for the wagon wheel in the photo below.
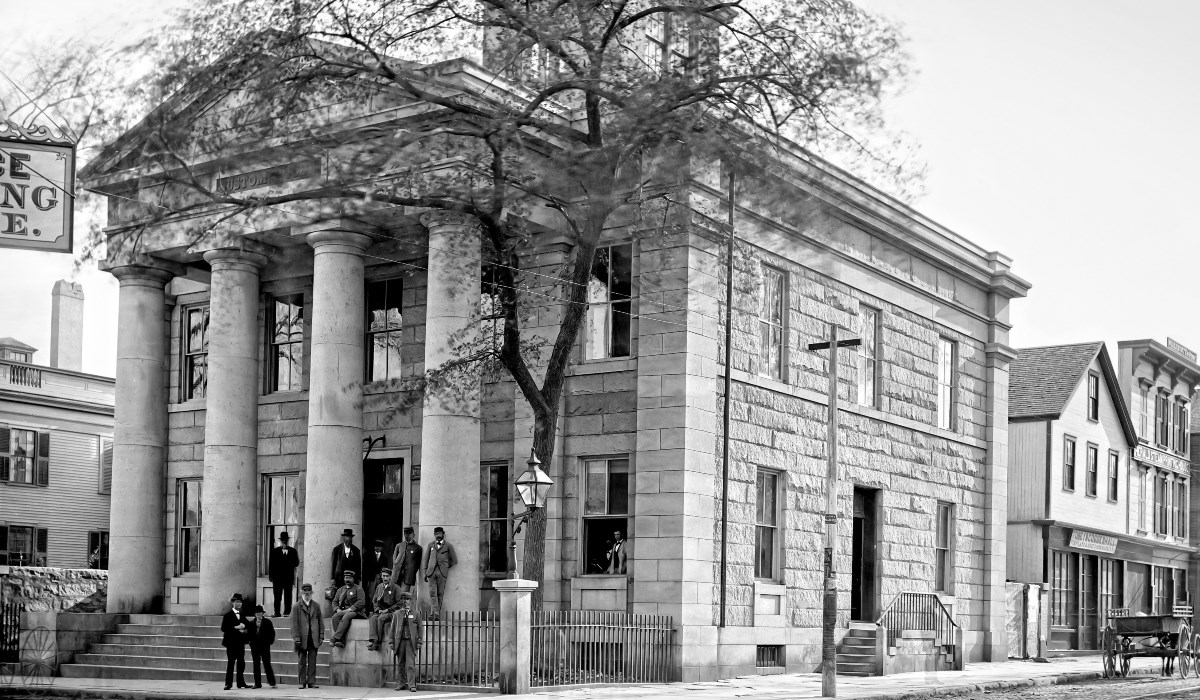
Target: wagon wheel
{"x": 1185, "y": 651}
{"x": 1108, "y": 649}
{"x": 1124, "y": 650}
{"x": 1196, "y": 654}
{"x": 38, "y": 657}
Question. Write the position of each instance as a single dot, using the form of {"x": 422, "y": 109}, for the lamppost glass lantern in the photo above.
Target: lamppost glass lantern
{"x": 533, "y": 488}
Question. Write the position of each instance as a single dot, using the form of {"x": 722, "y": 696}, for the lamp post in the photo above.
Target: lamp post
{"x": 533, "y": 487}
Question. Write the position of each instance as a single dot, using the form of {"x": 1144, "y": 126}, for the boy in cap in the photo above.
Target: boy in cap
{"x": 234, "y": 635}
{"x": 262, "y": 636}
{"x": 308, "y": 630}
{"x": 281, "y": 569}
{"x": 406, "y": 641}
{"x": 406, "y": 561}
{"x": 349, "y": 604}
{"x": 438, "y": 561}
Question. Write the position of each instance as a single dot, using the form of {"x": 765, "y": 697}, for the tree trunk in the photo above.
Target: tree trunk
{"x": 533, "y": 568}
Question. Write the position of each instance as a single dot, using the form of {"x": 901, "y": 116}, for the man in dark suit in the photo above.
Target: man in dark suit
{"x": 281, "y": 569}
{"x": 406, "y": 561}
{"x": 234, "y": 635}
{"x": 346, "y": 557}
{"x": 308, "y": 631}
{"x": 406, "y": 641}
{"x": 375, "y": 562}
{"x": 616, "y": 554}
{"x": 262, "y": 636}
{"x": 438, "y": 561}
{"x": 349, "y": 604}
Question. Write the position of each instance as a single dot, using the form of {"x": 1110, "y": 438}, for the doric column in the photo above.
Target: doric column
{"x": 334, "y": 479}
{"x": 450, "y": 419}
{"x": 136, "y": 570}
{"x": 229, "y": 532}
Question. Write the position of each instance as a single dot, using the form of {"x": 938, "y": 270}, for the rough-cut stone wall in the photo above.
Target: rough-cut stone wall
{"x": 45, "y": 589}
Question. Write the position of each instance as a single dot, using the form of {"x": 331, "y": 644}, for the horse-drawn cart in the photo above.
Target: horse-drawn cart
{"x": 1168, "y": 637}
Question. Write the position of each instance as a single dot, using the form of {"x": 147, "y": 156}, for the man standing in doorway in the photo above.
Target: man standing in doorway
{"x": 406, "y": 561}
{"x": 308, "y": 630}
{"x": 438, "y": 561}
{"x": 346, "y": 557}
{"x": 376, "y": 562}
{"x": 281, "y": 569}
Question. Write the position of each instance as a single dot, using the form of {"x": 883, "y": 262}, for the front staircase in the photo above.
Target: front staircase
{"x": 856, "y": 653}
{"x": 182, "y": 647}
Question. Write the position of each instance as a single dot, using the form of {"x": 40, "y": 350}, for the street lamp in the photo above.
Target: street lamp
{"x": 533, "y": 487}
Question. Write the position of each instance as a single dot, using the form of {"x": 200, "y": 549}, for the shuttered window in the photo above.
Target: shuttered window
{"x": 23, "y": 545}
{"x": 106, "y": 457}
{"x": 24, "y": 456}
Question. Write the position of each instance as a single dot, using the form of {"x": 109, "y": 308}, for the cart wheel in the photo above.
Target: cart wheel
{"x": 1196, "y": 654}
{"x": 1184, "y": 653}
{"x": 1107, "y": 651}
{"x": 1126, "y": 649}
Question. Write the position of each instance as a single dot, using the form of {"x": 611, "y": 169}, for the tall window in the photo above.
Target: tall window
{"x": 868, "y": 354}
{"x": 282, "y": 511}
{"x": 22, "y": 545}
{"x": 1112, "y": 587}
{"x": 98, "y": 549}
{"x": 1068, "y": 463}
{"x": 187, "y": 526}
{"x": 384, "y": 326}
{"x": 947, "y": 397}
{"x": 1163, "y": 595}
{"x": 1181, "y": 510}
{"x": 491, "y": 309}
{"x": 1093, "y": 456}
{"x": 195, "y": 352}
{"x": 1160, "y": 504}
{"x": 1162, "y": 420}
{"x": 766, "y": 525}
{"x": 1114, "y": 463}
{"x": 1142, "y": 510}
{"x": 610, "y": 307}
{"x": 943, "y": 573}
{"x": 1144, "y": 400}
{"x": 1093, "y": 402}
{"x": 772, "y": 294}
{"x": 1181, "y": 427}
{"x": 605, "y": 510}
{"x": 286, "y": 343}
{"x": 1064, "y": 598}
{"x": 654, "y": 49}
{"x": 494, "y": 499}
{"x": 24, "y": 456}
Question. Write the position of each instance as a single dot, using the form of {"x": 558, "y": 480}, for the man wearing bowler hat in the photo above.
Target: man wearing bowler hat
{"x": 346, "y": 557}
{"x": 438, "y": 561}
{"x": 308, "y": 630}
{"x": 406, "y": 561}
{"x": 281, "y": 569}
{"x": 262, "y": 636}
{"x": 234, "y": 635}
{"x": 406, "y": 641}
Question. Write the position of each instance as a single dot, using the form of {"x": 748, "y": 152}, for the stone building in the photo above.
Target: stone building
{"x": 257, "y": 365}
{"x": 56, "y": 427}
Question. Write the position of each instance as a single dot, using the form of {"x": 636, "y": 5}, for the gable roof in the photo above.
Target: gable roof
{"x": 14, "y": 344}
{"x": 1042, "y": 381}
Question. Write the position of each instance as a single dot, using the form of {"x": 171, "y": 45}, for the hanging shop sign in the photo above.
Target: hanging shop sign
{"x": 37, "y": 185}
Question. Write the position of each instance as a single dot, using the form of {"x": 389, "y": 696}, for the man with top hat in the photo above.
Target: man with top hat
{"x": 438, "y": 561}
{"x": 384, "y": 602}
{"x": 308, "y": 630}
{"x": 406, "y": 561}
{"x": 406, "y": 641}
{"x": 346, "y": 557}
{"x": 235, "y": 633}
{"x": 281, "y": 569}
{"x": 262, "y": 636}
{"x": 349, "y": 604}
{"x": 376, "y": 561}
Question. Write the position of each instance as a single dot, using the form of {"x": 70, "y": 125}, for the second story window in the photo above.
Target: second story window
{"x": 24, "y": 456}
{"x": 1181, "y": 427}
{"x": 1114, "y": 461}
{"x": 1068, "y": 463}
{"x": 195, "y": 352}
{"x": 610, "y": 306}
{"x": 495, "y": 495}
{"x": 1142, "y": 510}
{"x": 285, "y": 328}
{"x": 606, "y": 499}
{"x": 1181, "y": 510}
{"x": 947, "y": 391}
{"x": 772, "y": 295}
{"x": 385, "y": 323}
{"x": 1093, "y": 401}
{"x": 1161, "y": 507}
{"x": 1144, "y": 402}
{"x": 868, "y": 354}
{"x": 1093, "y": 456}
{"x": 1162, "y": 420}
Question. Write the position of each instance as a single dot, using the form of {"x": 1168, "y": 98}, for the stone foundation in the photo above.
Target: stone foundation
{"x": 45, "y": 589}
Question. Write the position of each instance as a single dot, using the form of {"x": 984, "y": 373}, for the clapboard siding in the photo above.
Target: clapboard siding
{"x": 1027, "y": 470}
{"x": 70, "y": 506}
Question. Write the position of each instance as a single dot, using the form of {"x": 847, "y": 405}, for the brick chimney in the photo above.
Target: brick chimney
{"x": 66, "y": 326}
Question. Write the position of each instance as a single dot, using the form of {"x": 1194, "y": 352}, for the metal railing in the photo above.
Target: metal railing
{"x": 462, "y": 649}
{"x": 918, "y": 612}
{"x": 578, "y": 647}
{"x": 10, "y": 631}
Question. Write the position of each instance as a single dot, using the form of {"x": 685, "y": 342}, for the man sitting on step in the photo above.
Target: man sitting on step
{"x": 384, "y": 602}
{"x": 349, "y": 604}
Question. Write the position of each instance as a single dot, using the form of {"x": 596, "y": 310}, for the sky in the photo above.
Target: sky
{"x": 1058, "y": 132}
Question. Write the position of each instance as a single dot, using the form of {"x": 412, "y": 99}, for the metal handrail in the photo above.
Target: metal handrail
{"x": 912, "y": 610}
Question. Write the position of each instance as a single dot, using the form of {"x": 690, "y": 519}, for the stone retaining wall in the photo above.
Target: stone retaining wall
{"x": 47, "y": 589}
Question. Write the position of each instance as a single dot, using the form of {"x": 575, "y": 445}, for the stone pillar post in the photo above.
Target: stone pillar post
{"x": 229, "y": 535}
{"x": 450, "y": 418}
{"x": 516, "y": 599}
{"x": 995, "y": 516}
{"x": 136, "y": 568}
{"x": 333, "y": 480}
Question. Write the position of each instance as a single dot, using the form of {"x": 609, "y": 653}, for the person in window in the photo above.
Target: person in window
{"x": 262, "y": 636}
{"x": 376, "y": 562}
{"x": 346, "y": 557}
{"x": 384, "y": 602}
{"x": 406, "y": 561}
{"x": 234, "y": 635}
{"x": 406, "y": 642}
{"x": 308, "y": 631}
{"x": 349, "y": 604}
{"x": 616, "y": 554}
{"x": 438, "y": 561}
{"x": 281, "y": 569}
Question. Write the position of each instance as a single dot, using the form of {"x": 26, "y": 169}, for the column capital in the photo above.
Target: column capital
{"x": 339, "y": 240}
{"x": 149, "y": 273}
{"x": 233, "y": 258}
{"x": 442, "y": 218}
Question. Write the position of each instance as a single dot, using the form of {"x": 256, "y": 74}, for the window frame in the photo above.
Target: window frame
{"x": 1093, "y": 397}
{"x": 607, "y": 515}
{"x": 1180, "y": 434}
{"x": 39, "y": 544}
{"x": 104, "y": 462}
{"x": 1146, "y": 422}
{"x": 868, "y": 359}
{"x": 944, "y": 531}
{"x": 1114, "y": 481}
{"x": 1181, "y": 511}
{"x": 1162, "y": 419}
{"x": 294, "y": 338}
{"x": 947, "y": 407}
{"x": 388, "y": 331}
{"x": 35, "y": 469}
{"x": 489, "y": 520}
{"x": 775, "y": 486}
{"x": 270, "y": 527}
{"x": 1143, "y": 524}
{"x": 767, "y": 327}
{"x": 191, "y": 359}
{"x": 609, "y": 308}
{"x": 1070, "y": 459}
{"x": 1161, "y": 504}
{"x": 183, "y": 564}
{"x": 1091, "y": 481}
{"x": 101, "y": 538}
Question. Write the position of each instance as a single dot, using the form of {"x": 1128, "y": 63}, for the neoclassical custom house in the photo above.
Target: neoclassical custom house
{"x": 256, "y": 365}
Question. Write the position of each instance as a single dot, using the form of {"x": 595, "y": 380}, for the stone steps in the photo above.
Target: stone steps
{"x": 856, "y": 653}
{"x": 172, "y": 674}
{"x": 215, "y": 652}
{"x": 285, "y": 665}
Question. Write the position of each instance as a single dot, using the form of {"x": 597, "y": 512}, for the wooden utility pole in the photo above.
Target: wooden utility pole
{"x": 829, "y": 613}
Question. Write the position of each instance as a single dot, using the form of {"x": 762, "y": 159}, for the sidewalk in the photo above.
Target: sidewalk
{"x": 977, "y": 676}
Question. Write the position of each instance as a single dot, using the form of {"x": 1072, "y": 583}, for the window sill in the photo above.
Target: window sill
{"x": 770, "y": 604}
{"x": 609, "y": 364}
{"x": 283, "y": 397}
{"x": 24, "y": 484}
{"x": 189, "y": 405}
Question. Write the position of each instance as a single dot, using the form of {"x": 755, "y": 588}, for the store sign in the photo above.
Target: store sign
{"x": 1081, "y": 539}
{"x": 37, "y": 179}
{"x": 1179, "y": 347}
{"x": 1162, "y": 460}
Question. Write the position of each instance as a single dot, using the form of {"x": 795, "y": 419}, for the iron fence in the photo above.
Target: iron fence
{"x": 577, "y": 647}
{"x": 462, "y": 649}
{"x": 10, "y": 631}
{"x": 918, "y": 612}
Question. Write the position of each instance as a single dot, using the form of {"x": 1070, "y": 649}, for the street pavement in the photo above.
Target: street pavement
{"x": 977, "y": 676}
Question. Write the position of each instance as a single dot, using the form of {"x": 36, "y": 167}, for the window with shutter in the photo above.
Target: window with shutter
{"x": 4, "y": 452}
{"x": 42, "y": 474}
{"x": 106, "y": 456}
{"x": 3, "y": 544}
